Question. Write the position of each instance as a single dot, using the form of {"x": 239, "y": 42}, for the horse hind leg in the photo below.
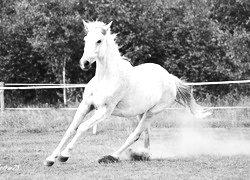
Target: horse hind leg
{"x": 146, "y": 134}
{"x": 141, "y": 154}
{"x": 134, "y": 136}
{"x": 144, "y": 155}
{"x": 147, "y": 138}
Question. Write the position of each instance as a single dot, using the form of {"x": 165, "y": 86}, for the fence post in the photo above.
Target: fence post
{"x": 2, "y": 96}
{"x": 94, "y": 129}
{"x": 64, "y": 83}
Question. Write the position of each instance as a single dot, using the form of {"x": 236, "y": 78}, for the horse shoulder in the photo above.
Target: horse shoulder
{"x": 107, "y": 93}
{"x": 89, "y": 90}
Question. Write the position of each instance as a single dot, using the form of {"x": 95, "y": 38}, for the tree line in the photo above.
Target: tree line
{"x": 201, "y": 40}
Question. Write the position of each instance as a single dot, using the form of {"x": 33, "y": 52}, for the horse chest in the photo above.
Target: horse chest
{"x": 104, "y": 95}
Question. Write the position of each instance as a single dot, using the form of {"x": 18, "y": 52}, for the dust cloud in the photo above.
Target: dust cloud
{"x": 194, "y": 138}
{"x": 194, "y": 142}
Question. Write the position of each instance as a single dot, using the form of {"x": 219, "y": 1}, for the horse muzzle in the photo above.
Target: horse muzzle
{"x": 85, "y": 66}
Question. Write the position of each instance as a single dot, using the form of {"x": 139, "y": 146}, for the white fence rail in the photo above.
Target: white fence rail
{"x": 219, "y": 82}
{"x": 57, "y": 86}
{"x": 49, "y": 86}
{"x": 44, "y": 87}
{"x": 23, "y": 86}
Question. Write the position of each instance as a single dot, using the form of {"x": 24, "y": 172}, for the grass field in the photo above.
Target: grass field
{"x": 58, "y": 120}
{"x": 22, "y": 155}
{"x": 182, "y": 148}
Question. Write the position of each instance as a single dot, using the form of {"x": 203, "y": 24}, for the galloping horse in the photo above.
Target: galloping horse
{"x": 120, "y": 89}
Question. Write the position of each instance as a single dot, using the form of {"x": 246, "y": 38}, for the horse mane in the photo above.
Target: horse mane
{"x": 127, "y": 59}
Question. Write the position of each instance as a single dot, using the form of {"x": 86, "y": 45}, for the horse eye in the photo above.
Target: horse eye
{"x": 99, "y": 41}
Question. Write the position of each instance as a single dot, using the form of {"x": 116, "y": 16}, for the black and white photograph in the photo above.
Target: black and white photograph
{"x": 125, "y": 89}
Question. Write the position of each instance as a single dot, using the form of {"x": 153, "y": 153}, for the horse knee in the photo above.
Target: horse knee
{"x": 136, "y": 137}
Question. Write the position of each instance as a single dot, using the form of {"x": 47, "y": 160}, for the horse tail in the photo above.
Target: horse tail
{"x": 185, "y": 97}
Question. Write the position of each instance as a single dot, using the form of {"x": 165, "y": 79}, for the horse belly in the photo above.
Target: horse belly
{"x": 127, "y": 110}
{"x": 138, "y": 101}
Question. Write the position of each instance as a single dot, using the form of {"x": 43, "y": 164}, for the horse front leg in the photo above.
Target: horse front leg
{"x": 81, "y": 112}
{"x": 100, "y": 115}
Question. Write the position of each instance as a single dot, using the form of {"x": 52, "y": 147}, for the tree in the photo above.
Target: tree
{"x": 201, "y": 40}
{"x": 39, "y": 38}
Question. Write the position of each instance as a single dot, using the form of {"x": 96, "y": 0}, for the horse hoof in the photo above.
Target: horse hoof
{"x": 48, "y": 163}
{"x": 63, "y": 158}
{"x": 108, "y": 159}
{"x": 138, "y": 155}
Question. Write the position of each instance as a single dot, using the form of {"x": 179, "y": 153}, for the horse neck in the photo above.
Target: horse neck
{"x": 108, "y": 65}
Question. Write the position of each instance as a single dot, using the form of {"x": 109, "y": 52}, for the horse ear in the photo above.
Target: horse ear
{"x": 85, "y": 25}
{"x": 107, "y": 27}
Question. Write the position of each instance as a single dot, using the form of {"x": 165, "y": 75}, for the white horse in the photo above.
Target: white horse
{"x": 122, "y": 90}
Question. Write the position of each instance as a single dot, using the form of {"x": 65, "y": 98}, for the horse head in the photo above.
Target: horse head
{"x": 94, "y": 42}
